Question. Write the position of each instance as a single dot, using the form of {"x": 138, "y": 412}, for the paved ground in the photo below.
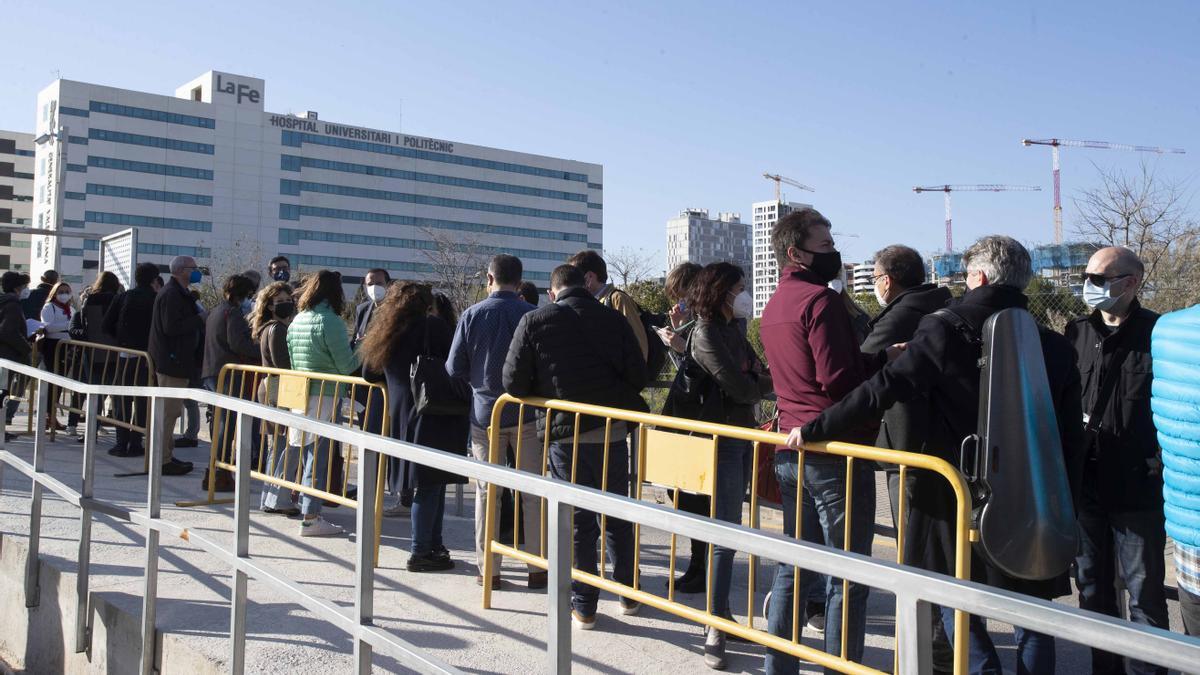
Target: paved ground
{"x": 440, "y": 612}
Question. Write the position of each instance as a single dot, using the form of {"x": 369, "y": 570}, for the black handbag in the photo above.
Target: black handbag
{"x": 432, "y": 391}
{"x": 694, "y": 394}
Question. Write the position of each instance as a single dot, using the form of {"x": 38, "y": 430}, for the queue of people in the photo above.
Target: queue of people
{"x": 907, "y": 379}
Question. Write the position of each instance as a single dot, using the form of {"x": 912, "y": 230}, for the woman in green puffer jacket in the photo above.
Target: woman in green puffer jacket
{"x": 318, "y": 342}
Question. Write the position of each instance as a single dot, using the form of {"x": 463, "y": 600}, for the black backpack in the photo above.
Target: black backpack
{"x": 656, "y": 352}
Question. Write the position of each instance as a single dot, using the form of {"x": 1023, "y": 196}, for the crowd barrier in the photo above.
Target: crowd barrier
{"x": 681, "y": 455}
{"x": 107, "y": 366}
{"x": 278, "y": 456}
{"x": 21, "y": 391}
{"x": 915, "y": 590}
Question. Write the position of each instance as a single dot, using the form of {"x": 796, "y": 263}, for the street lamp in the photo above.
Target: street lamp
{"x": 61, "y": 137}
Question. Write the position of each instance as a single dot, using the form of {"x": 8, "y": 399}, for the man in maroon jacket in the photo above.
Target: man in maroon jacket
{"x": 815, "y": 361}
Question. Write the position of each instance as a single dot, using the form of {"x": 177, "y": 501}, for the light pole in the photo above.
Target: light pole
{"x": 58, "y": 180}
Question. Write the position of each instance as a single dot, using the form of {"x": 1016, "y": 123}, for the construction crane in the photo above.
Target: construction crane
{"x": 947, "y": 189}
{"x": 784, "y": 179}
{"x": 1056, "y": 143}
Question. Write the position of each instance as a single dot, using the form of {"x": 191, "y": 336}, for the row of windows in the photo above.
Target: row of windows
{"x": 293, "y": 212}
{"x": 595, "y": 186}
{"x": 150, "y": 141}
{"x": 152, "y": 195}
{"x": 329, "y": 261}
{"x": 146, "y": 221}
{"x": 156, "y": 115}
{"x": 28, "y": 176}
{"x": 81, "y": 168}
{"x": 77, "y": 112}
{"x": 293, "y": 163}
{"x": 295, "y": 187}
{"x": 78, "y": 140}
{"x": 595, "y": 226}
{"x": 76, "y": 195}
{"x": 150, "y": 167}
{"x": 24, "y": 153}
{"x": 294, "y": 237}
{"x": 297, "y": 139}
{"x": 595, "y": 206}
{"x": 73, "y": 252}
{"x": 172, "y": 250}
{"x": 73, "y": 224}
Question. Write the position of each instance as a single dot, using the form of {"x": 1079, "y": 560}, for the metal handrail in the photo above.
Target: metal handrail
{"x": 914, "y": 589}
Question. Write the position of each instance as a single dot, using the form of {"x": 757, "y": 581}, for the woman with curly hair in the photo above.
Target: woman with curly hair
{"x": 410, "y": 325}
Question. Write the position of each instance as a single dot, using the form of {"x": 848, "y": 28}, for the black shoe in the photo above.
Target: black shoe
{"x": 351, "y": 492}
{"x": 138, "y": 451}
{"x": 183, "y": 442}
{"x": 816, "y": 616}
{"x": 429, "y": 562}
{"x": 693, "y": 580}
{"x": 176, "y": 468}
{"x": 443, "y": 553}
{"x": 119, "y": 451}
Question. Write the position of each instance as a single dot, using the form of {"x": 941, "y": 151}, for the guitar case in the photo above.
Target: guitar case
{"x": 1026, "y": 521}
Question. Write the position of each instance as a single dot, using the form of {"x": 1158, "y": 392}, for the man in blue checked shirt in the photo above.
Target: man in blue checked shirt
{"x": 477, "y": 354}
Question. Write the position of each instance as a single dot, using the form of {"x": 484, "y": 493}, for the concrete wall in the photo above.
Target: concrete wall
{"x": 42, "y": 639}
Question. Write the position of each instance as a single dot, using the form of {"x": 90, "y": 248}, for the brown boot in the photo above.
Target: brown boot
{"x": 224, "y": 482}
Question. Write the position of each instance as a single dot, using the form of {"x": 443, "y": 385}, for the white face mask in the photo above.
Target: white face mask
{"x": 63, "y": 298}
{"x": 24, "y": 293}
{"x": 376, "y": 292}
{"x": 743, "y": 305}
{"x": 837, "y": 285}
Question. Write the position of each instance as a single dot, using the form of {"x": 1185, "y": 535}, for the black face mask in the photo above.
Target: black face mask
{"x": 827, "y": 266}
{"x": 283, "y": 275}
{"x": 284, "y": 309}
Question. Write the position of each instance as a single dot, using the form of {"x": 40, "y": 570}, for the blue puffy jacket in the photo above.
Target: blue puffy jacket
{"x": 1175, "y": 400}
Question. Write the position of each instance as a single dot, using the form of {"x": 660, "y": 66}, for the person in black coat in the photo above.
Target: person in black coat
{"x": 405, "y": 329}
{"x": 14, "y": 343}
{"x": 941, "y": 361}
{"x": 580, "y": 350}
{"x": 128, "y": 318}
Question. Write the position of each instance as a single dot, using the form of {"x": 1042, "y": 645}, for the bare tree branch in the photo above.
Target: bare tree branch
{"x": 628, "y": 266}
{"x": 458, "y": 264}
{"x": 1151, "y": 216}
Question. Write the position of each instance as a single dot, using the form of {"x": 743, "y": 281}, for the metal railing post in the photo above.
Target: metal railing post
{"x": 914, "y": 634}
{"x": 364, "y": 583}
{"x": 241, "y": 542}
{"x": 153, "y": 509}
{"x": 35, "y": 499}
{"x": 86, "y": 486}
{"x": 558, "y": 596}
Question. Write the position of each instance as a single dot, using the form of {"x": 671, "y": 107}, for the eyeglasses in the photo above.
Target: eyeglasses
{"x": 1100, "y": 279}
{"x": 875, "y": 279}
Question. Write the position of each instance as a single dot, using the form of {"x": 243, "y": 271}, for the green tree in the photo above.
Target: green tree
{"x": 649, "y": 295}
{"x": 754, "y": 336}
{"x": 1053, "y": 306}
{"x": 868, "y": 303}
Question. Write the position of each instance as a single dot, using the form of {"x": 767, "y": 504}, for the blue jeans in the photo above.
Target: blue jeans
{"x": 280, "y": 459}
{"x": 1130, "y": 544}
{"x": 316, "y": 463}
{"x": 428, "y": 508}
{"x": 1035, "y": 651}
{"x": 733, "y": 472}
{"x": 824, "y": 520}
{"x": 618, "y": 534}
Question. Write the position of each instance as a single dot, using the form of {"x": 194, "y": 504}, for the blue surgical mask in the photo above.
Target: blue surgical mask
{"x": 1099, "y": 297}
{"x": 247, "y": 306}
{"x": 195, "y": 277}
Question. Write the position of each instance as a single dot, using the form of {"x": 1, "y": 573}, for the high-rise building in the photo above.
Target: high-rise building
{"x": 693, "y": 236}
{"x": 210, "y": 173}
{"x": 862, "y": 277}
{"x": 766, "y": 272}
{"x": 16, "y": 198}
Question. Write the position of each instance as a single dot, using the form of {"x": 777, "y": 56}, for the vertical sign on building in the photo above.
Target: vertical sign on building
{"x": 50, "y": 243}
{"x": 118, "y": 254}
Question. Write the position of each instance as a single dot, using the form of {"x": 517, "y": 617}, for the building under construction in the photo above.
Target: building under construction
{"x": 1061, "y": 264}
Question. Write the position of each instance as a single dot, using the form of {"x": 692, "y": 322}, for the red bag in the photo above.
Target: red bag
{"x": 768, "y": 486}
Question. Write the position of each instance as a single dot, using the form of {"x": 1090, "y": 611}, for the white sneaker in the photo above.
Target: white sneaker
{"x": 397, "y": 509}
{"x": 72, "y": 431}
{"x": 319, "y": 527}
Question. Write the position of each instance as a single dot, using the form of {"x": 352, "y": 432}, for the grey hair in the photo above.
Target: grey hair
{"x": 1003, "y": 259}
{"x": 181, "y": 261}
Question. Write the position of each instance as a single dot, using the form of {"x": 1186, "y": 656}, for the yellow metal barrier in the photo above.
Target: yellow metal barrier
{"x": 316, "y": 395}
{"x": 682, "y": 455}
{"x": 106, "y": 365}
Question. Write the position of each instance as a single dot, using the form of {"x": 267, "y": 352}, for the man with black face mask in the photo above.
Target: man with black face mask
{"x": 815, "y": 361}
{"x": 1121, "y": 509}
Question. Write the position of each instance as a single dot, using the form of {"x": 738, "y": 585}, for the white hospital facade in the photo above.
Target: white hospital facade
{"x": 210, "y": 173}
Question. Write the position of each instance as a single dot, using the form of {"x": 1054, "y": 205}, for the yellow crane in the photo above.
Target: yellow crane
{"x": 784, "y": 179}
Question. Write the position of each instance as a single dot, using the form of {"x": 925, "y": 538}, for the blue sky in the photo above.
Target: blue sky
{"x": 686, "y": 104}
